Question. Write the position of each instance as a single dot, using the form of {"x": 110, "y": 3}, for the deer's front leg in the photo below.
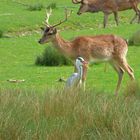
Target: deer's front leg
{"x": 116, "y": 18}
{"x": 105, "y": 19}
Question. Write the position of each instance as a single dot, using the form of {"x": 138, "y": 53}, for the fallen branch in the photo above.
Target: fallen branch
{"x": 15, "y": 81}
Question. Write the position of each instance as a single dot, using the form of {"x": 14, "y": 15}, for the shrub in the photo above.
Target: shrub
{"x": 51, "y": 57}
{"x": 51, "y": 5}
{"x": 1, "y": 33}
{"x": 135, "y": 38}
{"x": 35, "y": 7}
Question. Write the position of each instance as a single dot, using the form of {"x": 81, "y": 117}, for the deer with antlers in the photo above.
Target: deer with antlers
{"x": 108, "y": 7}
{"x": 110, "y": 48}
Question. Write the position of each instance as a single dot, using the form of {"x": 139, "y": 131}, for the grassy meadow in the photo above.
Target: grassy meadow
{"x": 37, "y": 108}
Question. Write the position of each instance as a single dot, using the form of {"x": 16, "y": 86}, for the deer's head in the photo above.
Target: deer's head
{"x": 84, "y": 7}
{"x": 50, "y": 31}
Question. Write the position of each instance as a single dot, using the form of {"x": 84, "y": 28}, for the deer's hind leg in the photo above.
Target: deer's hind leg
{"x": 137, "y": 11}
{"x": 125, "y": 66}
{"x": 105, "y": 19}
{"x": 120, "y": 73}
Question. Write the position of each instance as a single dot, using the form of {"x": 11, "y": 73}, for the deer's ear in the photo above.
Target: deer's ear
{"x": 42, "y": 28}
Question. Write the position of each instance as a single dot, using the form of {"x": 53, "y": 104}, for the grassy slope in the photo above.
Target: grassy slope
{"x": 18, "y": 53}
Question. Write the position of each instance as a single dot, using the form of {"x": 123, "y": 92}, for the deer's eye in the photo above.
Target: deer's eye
{"x": 47, "y": 29}
{"x": 50, "y": 33}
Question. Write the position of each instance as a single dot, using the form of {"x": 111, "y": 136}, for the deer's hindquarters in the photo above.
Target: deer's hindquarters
{"x": 99, "y": 48}
{"x": 120, "y": 48}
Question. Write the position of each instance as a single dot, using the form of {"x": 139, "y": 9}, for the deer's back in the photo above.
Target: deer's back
{"x": 124, "y": 4}
{"x": 110, "y": 6}
{"x": 100, "y": 47}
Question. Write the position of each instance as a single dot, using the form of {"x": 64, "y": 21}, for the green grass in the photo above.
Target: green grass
{"x": 18, "y": 56}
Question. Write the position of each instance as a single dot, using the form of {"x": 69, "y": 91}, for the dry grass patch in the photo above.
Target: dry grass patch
{"x": 68, "y": 115}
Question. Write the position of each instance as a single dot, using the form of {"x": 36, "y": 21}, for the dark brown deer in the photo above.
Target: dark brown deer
{"x": 110, "y": 48}
{"x": 108, "y": 7}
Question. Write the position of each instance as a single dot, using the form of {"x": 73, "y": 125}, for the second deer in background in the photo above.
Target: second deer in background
{"x": 108, "y": 7}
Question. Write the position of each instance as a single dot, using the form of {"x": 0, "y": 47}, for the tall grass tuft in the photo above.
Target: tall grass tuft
{"x": 52, "y": 6}
{"x": 35, "y": 7}
{"x": 63, "y": 115}
{"x": 51, "y": 57}
{"x": 132, "y": 90}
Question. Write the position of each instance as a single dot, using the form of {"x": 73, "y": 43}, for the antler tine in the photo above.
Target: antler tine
{"x": 67, "y": 14}
{"x": 48, "y": 14}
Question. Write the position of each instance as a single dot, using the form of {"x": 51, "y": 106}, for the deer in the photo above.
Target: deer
{"x": 105, "y": 48}
{"x": 108, "y": 7}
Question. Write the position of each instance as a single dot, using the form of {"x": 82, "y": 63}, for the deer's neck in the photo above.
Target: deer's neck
{"x": 62, "y": 45}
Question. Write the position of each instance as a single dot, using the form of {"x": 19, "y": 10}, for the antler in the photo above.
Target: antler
{"x": 67, "y": 14}
{"x": 48, "y": 14}
{"x": 76, "y": 1}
